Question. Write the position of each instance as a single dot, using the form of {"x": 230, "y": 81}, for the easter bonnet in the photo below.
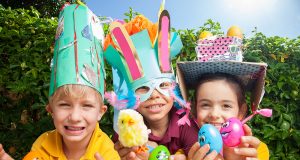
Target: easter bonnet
{"x": 223, "y": 54}
{"x": 78, "y": 53}
{"x": 140, "y": 54}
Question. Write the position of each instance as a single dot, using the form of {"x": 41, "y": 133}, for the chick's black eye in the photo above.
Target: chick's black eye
{"x": 122, "y": 121}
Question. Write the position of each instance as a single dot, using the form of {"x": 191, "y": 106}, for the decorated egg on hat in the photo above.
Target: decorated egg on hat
{"x": 205, "y": 34}
{"x": 235, "y": 31}
{"x": 209, "y": 134}
{"x": 160, "y": 153}
{"x": 232, "y": 131}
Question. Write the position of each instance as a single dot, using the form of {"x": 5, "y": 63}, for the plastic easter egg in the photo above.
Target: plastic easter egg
{"x": 209, "y": 134}
{"x": 160, "y": 153}
{"x": 205, "y": 34}
{"x": 235, "y": 31}
{"x": 232, "y": 131}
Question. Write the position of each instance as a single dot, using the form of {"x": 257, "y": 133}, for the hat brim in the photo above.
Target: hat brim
{"x": 251, "y": 74}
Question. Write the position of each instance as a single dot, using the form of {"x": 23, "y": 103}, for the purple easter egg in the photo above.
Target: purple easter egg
{"x": 232, "y": 131}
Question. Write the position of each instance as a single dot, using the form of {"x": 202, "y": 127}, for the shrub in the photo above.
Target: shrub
{"x": 26, "y": 49}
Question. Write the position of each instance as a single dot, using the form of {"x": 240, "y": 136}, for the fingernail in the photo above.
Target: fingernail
{"x": 236, "y": 150}
{"x": 171, "y": 157}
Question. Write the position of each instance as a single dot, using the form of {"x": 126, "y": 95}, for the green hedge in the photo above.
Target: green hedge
{"x": 26, "y": 47}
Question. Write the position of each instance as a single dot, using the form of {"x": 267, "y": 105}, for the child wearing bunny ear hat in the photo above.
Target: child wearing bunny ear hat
{"x": 140, "y": 53}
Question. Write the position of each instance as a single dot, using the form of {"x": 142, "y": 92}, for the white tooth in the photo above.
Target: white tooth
{"x": 75, "y": 128}
{"x": 154, "y": 107}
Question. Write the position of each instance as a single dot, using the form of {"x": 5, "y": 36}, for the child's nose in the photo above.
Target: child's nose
{"x": 215, "y": 113}
{"x": 155, "y": 94}
{"x": 75, "y": 115}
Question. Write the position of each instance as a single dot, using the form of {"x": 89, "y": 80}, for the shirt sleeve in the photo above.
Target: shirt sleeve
{"x": 262, "y": 151}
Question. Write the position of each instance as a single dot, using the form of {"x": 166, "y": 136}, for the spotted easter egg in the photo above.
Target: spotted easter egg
{"x": 232, "y": 131}
{"x": 209, "y": 134}
{"x": 160, "y": 153}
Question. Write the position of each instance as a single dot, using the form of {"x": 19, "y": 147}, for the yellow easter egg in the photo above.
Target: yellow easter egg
{"x": 205, "y": 34}
{"x": 235, "y": 31}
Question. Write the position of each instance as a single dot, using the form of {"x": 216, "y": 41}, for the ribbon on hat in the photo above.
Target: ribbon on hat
{"x": 185, "y": 107}
{"x": 128, "y": 50}
{"x": 163, "y": 42}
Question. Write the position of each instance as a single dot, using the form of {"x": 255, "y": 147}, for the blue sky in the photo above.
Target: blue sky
{"x": 271, "y": 17}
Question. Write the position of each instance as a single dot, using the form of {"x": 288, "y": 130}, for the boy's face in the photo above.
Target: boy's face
{"x": 157, "y": 106}
{"x": 216, "y": 102}
{"x": 75, "y": 117}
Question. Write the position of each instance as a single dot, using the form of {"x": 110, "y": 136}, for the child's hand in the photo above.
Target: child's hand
{"x": 199, "y": 153}
{"x": 246, "y": 150}
{"x": 129, "y": 153}
{"x": 3, "y": 154}
{"x": 177, "y": 157}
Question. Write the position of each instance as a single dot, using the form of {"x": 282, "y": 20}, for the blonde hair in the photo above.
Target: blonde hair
{"x": 68, "y": 90}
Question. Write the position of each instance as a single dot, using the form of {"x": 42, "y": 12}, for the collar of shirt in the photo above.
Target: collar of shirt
{"x": 53, "y": 144}
{"x": 172, "y": 131}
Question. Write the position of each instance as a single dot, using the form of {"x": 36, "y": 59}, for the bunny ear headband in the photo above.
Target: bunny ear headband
{"x": 140, "y": 60}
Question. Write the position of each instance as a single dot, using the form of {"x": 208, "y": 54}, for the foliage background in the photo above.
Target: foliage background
{"x": 26, "y": 48}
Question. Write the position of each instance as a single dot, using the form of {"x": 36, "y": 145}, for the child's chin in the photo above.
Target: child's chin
{"x": 73, "y": 138}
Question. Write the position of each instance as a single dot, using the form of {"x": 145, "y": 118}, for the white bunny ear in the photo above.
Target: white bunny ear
{"x": 128, "y": 51}
{"x": 163, "y": 39}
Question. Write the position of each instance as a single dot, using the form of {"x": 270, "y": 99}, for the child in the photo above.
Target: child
{"x": 141, "y": 62}
{"x": 76, "y": 92}
{"x": 220, "y": 88}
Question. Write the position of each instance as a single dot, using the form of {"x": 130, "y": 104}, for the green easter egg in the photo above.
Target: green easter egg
{"x": 160, "y": 153}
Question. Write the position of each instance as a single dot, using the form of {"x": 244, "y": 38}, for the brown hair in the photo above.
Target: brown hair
{"x": 232, "y": 80}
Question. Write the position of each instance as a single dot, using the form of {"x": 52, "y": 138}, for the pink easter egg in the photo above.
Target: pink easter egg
{"x": 232, "y": 131}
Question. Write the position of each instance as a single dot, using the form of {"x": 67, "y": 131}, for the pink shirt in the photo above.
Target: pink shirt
{"x": 178, "y": 137}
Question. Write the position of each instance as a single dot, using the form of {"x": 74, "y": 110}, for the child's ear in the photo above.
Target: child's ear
{"x": 48, "y": 109}
{"x": 103, "y": 109}
{"x": 242, "y": 111}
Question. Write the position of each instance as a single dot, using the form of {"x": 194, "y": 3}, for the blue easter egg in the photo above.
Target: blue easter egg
{"x": 209, "y": 134}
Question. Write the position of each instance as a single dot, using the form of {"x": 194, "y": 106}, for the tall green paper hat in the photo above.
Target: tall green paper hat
{"x": 137, "y": 60}
{"x": 78, "y": 53}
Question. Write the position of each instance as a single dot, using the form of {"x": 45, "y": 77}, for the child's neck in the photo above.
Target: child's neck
{"x": 159, "y": 128}
{"x": 74, "y": 151}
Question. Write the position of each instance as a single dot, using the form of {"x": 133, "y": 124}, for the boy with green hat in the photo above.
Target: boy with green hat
{"x": 76, "y": 91}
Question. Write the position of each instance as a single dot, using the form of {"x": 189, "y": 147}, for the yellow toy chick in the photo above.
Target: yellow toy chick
{"x": 132, "y": 130}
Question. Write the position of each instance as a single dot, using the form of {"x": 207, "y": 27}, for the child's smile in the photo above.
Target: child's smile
{"x": 76, "y": 117}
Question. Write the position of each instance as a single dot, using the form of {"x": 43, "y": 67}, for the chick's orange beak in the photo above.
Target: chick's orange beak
{"x": 130, "y": 122}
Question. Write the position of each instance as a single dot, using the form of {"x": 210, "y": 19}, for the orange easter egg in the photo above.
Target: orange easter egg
{"x": 235, "y": 31}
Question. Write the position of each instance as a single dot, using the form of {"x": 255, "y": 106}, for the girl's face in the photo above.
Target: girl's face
{"x": 75, "y": 117}
{"x": 157, "y": 107}
{"x": 216, "y": 102}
